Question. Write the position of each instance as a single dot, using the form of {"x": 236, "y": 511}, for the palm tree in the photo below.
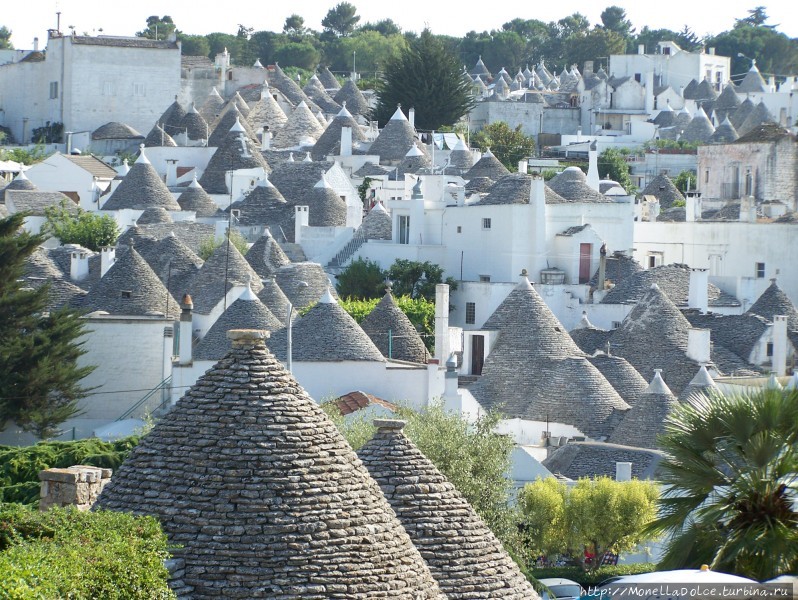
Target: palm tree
{"x": 731, "y": 484}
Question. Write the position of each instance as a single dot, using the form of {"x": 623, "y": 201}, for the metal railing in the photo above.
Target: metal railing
{"x": 165, "y": 388}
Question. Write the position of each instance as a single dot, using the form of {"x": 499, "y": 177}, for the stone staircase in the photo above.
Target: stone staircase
{"x": 345, "y": 253}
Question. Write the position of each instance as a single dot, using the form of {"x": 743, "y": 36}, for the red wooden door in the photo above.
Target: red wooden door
{"x": 585, "y": 250}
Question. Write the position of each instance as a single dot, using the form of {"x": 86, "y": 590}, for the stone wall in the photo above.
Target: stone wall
{"x": 78, "y": 486}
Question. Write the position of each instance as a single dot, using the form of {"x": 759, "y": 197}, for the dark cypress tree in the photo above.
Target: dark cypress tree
{"x": 428, "y": 77}
{"x": 39, "y": 375}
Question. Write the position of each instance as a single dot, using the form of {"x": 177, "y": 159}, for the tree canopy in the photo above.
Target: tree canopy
{"x": 341, "y": 20}
{"x": 158, "y": 28}
{"x": 428, "y": 77}
{"x": 612, "y": 165}
{"x": 417, "y": 279}
{"x": 507, "y": 144}
{"x": 40, "y": 380}
{"x": 90, "y": 230}
{"x": 5, "y": 38}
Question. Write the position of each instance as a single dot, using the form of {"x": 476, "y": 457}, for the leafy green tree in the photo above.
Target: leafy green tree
{"x": 731, "y": 485}
{"x": 194, "y": 45}
{"x": 88, "y": 229}
{"x": 614, "y": 19}
{"x": 471, "y": 455}
{"x": 210, "y": 244}
{"x": 294, "y": 25}
{"x": 383, "y": 27}
{"x": 417, "y": 279}
{"x": 297, "y": 54}
{"x": 685, "y": 180}
{"x": 39, "y": 374}
{"x": 26, "y": 157}
{"x": 158, "y": 28}
{"x": 507, "y": 144}
{"x": 427, "y": 77}
{"x": 5, "y": 38}
{"x": 600, "y": 515}
{"x": 362, "y": 279}
{"x": 591, "y": 44}
{"x": 757, "y": 17}
{"x": 341, "y": 20}
{"x": 649, "y": 38}
{"x": 612, "y": 165}
{"x": 373, "y": 51}
{"x": 420, "y": 311}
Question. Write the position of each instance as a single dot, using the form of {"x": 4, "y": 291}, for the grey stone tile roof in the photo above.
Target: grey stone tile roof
{"x": 377, "y": 224}
{"x": 705, "y": 91}
{"x": 702, "y": 383}
{"x": 221, "y": 131}
{"x": 663, "y": 189}
{"x": 115, "y": 131}
{"x": 752, "y": 82}
{"x": 191, "y": 234}
{"x": 739, "y": 116}
{"x": 327, "y": 79}
{"x": 158, "y": 137}
{"x": 266, "y": 111}
{"x": 673, "y": 280}
{"x": 20, "y": 182}
{"x": 665, "y": 118}
{"x": 40, "y": 270}
{"x": 576, "y": 460}
{"x": 676, "y": 214}
{"x": 536, "y": 371}
{"x": 514, "y": 188}
{"x": 212, "y": 107}
{"x": 646, "y": 420}
{"x": 700, "y": 129}
{"x": 172, "y": 116}
{"x": 92, "y": 164}
{"x": 326, "y": 333}
{"x": 195, "y": 198}
{"x": 264, "y": 206}
{"x": 727, "y": 102}
{"x": 140, "y": 189}
{"x": 247, "y": 312}
{"x": 291, "y": 278}
{"x": 274, "y": 298}
{"x": 229, "y": 156}
{"x": 130, "y": 287}
{"x": 371, "y": 170}
{"x": 217, "y": 471}
{"x": 395, "y": 139}
{"x": 355, "y": 101}
{"x": 173, "y": 262}
{"x": 36, "y": 201}
{"x": 329, "y": 143}
{"x": 266, "y": 256}
{"x": 737, "y": 333}
{"x": 440, "y": 522}
{"x": 393, "y": 333}
{"x": 479, "y": 184}
{"x": 621, "y": 375}
{"x": 619, "y": 267}
{"x": 773, "y": 302}
{"x": 725, "y": 133}
{"x": 690, "y": 90}
{"x": 590, "y": 339}
{"x": 480, "y": 69}
{"x": 122, "y": 42}
{"x": 316, "y": 92}
{"x": 289, "y": 88}
{"x": 325, "y": 207}
{"x": 461, "y": 158}
{"x": 654, "y": 336}
{"x": 301, "y": 126}
{"x": 765, "y": 132}
{"x": 195, "y": 126}
{"x": 487, "y": 166}
{"x": 295, "y": 180}
{"x": 572, "y": 185}
{"x": 207, "y": 287}
{"x": 62, "y": 258}
{"x": 153, "y": 215}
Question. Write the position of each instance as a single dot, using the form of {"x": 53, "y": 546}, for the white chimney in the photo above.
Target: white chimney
{"x": 641, "y": 48}
{"x": 693, "y": 206}
{"x": 441, "y": 322}
{"x": 779, "y": 359}
{"x": 623, "y": 471}
{"x": 171, "y": 172}
{"x": 266, "y": 138}
{"x": 711, "y": 50}
{"x": 698, "y": 294}
{"x": 107, "y": 259}
{"x": 452, "y": 400}
{"x": 522, "y": 166}
{"x": 79, "y": 264}
{"x": 411, "y": 116}
{"x": 302, "y": 220}
{"x": 186, "y": 330}
{"x": 35, "y": 44}
{"x": 537, "y": 199}
{"x": 593, "y": 177}
{"x": 698, "y": 345}
{"x": 649, "y": 91}
{"x": 346, "y": 141}
{"x": 220, "y": 232}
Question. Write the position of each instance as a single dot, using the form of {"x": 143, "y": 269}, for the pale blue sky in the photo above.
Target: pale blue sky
{"x": 33, "y": 18}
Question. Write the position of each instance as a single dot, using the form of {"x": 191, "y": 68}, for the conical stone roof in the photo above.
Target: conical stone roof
{"x": 266, "y": 256}
{"x": 154, "y": 214}
{"x": 316, "y": 92}
{"x": 460, "y": 157}
{"x": 739, "y": 116}
{"x": 247, "y": 312}
{"x": 773, "y": 302}
{"x": 725, "y": 133}
{"x": 172, "y": 116}
{"x": 208, "y": 287}
{"x": 702, "y": 383}
{"x": 480, "y": 70}
{"x": 304, "y": 283}
{"x": 328, "y": 80}
{"x": 752, "y": 82}
{"x": 130, "y": 287}
{"x": 325, "y": 207}
{"x": 727, "y": 102}
{"x": 621, "y": 375}
{"x": 114, "y": 130}
{"x": 232, "y": 118}
{"x": 393, "y": 333}
{"x": 396, "y": 138}
{"x": 212, "y": 107}
{"x": 572, "y": 185}
{"x": 289, "y": 88}
{"x": 759, "y": 116}
{"x": 158, "y": 137}
{"x": 355, "y": 101}
{"x": 440, "y": 522}
{"x": 487, "y": 166}
{"x": 264, "y": 206}
{"x": 19, "y": 183}
{"x": 377, "y": 224}
{"x": 301, "y": 126}
{"x": 229, "y": 155}
{"x": 645, "y": 421}
{"x": 535, "y": 370}
{"x": 267, "y": 112}
{"x": 329, "y": 143}
{"x": 140, "y": 189}
{"x": 274, "y": 298}
{"x": 194, "y": 125}
{"x": 197, "y": 199}
{"x": 663, "y": 189}
{"x": 326, "y": 333}
{"x": 262, "y": 496}
{"x": 173, "y": 262}
{"x": 700, "y": 128}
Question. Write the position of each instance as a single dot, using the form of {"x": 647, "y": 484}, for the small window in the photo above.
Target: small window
{"x": 274, "y": 96}
{"x": 706, "y": 176}
{"x": 459, "y": 229}
{"x": 484, "y": 278}
{"x": 638, "y": 77}
{"x": 485, "y": 223}
{"x": 760, "y": 270}
{"x": 616, "y": 324}
{"x": 235, "y": 212}
{"x": 139, "y": 89}
{"x": 769, "y": 349}
{"x": 666, "y": 50}
{"x": 53, "y": 90}
{"x": 471, "y": 313}
{"x": 126, "y": 293}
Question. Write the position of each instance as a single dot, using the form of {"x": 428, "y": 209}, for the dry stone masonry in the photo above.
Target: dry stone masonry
{"x": 77, "y": 486}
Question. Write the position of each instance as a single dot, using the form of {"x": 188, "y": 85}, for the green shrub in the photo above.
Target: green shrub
{"x": 420, "y": 311}
{"x": 592, "y": 578}
{"x": 65, "y": 553}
